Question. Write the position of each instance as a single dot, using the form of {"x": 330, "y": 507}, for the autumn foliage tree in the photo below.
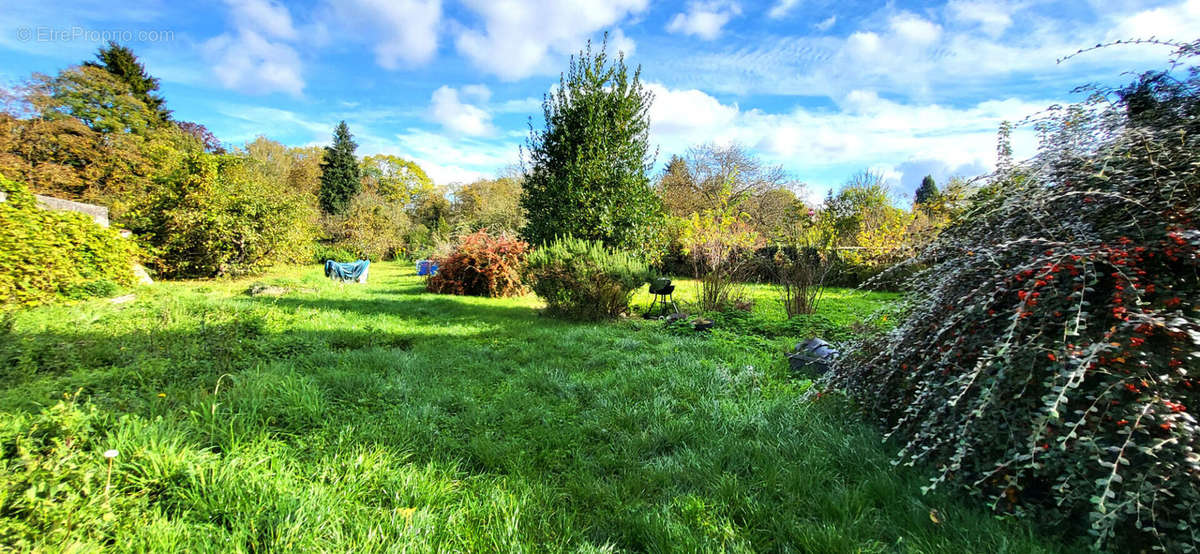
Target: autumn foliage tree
{"x": 84, "y": 135}
{"x": 490, "y": 203}
{"x": 395, "y": 178}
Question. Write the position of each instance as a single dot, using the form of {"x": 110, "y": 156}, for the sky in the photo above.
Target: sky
{"x": 825, "y": 88}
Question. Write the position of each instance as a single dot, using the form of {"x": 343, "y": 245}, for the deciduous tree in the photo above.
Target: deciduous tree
{"x": 94, "y": 96}
{"x": 394, "y": 178}
{"x": 494, "y": 204}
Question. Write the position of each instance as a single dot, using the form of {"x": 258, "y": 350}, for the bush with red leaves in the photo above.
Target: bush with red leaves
{"x": 482, "y": 265}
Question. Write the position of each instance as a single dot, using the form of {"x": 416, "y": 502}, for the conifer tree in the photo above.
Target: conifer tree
{"x": 927, "y": 192}
{"x": 121, "y": 62}
{"x": 340, "y": 175}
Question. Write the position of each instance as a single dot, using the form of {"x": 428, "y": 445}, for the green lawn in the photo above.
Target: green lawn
{"x": 382, "y": 418}
{"x": 841, "y": 306}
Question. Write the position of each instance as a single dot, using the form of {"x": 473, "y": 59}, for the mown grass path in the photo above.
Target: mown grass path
{"x": 382, "y": 418}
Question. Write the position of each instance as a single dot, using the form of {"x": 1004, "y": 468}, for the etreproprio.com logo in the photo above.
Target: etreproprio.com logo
{"x": 77, "y": 33}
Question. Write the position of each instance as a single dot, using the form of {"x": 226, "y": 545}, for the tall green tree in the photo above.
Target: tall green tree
{"x": 677, "y": 189}
{"x": 94, "y": 96}
{"x": 927, "y": 192}
{"x": 588, "y": 172}
{"x": 395, "y": 178}
{"x": 121, "y": 62}
{"x": 493, "y": 204}
{"x": 340, "y": 174}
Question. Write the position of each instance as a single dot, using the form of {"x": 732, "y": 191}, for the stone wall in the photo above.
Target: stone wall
{"x": 99, "y": 214}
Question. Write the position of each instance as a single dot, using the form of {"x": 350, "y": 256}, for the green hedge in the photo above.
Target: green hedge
{"x": 585, "y": 280}
{"x": 213, "y": 217}
{"x": 46, "y": 254}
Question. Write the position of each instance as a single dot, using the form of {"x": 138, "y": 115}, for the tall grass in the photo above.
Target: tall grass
{"x": 380, "y": 418}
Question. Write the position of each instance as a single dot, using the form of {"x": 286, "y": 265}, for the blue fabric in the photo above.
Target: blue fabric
{"x": 346, "y": 272}
{"x": 427, "y": 267}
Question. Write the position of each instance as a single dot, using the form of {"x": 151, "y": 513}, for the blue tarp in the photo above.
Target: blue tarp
{"x": 426, "y": 267}
{"x": 353, "y": 271}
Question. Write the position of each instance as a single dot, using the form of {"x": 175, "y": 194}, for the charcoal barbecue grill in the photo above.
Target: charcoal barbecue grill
{"x": 661, "y": 289}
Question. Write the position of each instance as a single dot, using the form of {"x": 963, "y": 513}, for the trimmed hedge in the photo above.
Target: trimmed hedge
{"x": 583, "y": 279}
{"x": 46, "y": 254}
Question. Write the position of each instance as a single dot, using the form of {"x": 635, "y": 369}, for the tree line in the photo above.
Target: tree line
{"x": 101, "y": 132}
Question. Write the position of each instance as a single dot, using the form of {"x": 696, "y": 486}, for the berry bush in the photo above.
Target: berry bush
{"x": 1049, "y": 359}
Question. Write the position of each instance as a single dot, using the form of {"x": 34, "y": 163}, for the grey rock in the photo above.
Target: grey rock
{"x": 259, "y": 289}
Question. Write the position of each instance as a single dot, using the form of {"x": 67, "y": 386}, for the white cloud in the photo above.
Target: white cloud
{"x": 528, "y": 105}
{"x": 270, "y": 18}
{"x": 253, "y": 57}
{"x": 621, "y": 43}
{"x": 519, "y": 36}
{"x": 448, "y": 109}
{"x": 704, "y": 19}
{"x": 259, "y": 54}
{"x": 890, "y": 173}
{"x": 826, "y": 23}
{"x": 867, "y": 131}
{"x": 244, "y": 122}
{"x": 400, "y": 32}
{"x": 992, "y": 16}
{"x": 941, "y": 54}
{"x": 449, "y": 174}
{"x": 447, "y": 160}
{"x": 912, "y": 29}
{"x": 864, "y": 43}
{"x": 781, "y": 8}
{"x": 478, "y": 93}
{"x": 250, "y": 63}
{"x": 688, "y": 113}
{"x": 1177, "y": 22}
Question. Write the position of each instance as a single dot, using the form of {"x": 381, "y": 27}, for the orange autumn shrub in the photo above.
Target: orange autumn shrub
{"x": 482, "y": 265}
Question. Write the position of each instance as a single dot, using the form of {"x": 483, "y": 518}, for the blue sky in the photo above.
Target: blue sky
{"x": 824, "y": 88}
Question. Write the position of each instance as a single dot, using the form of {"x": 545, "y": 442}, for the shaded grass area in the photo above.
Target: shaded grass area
{"x": 381, "y": 418}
